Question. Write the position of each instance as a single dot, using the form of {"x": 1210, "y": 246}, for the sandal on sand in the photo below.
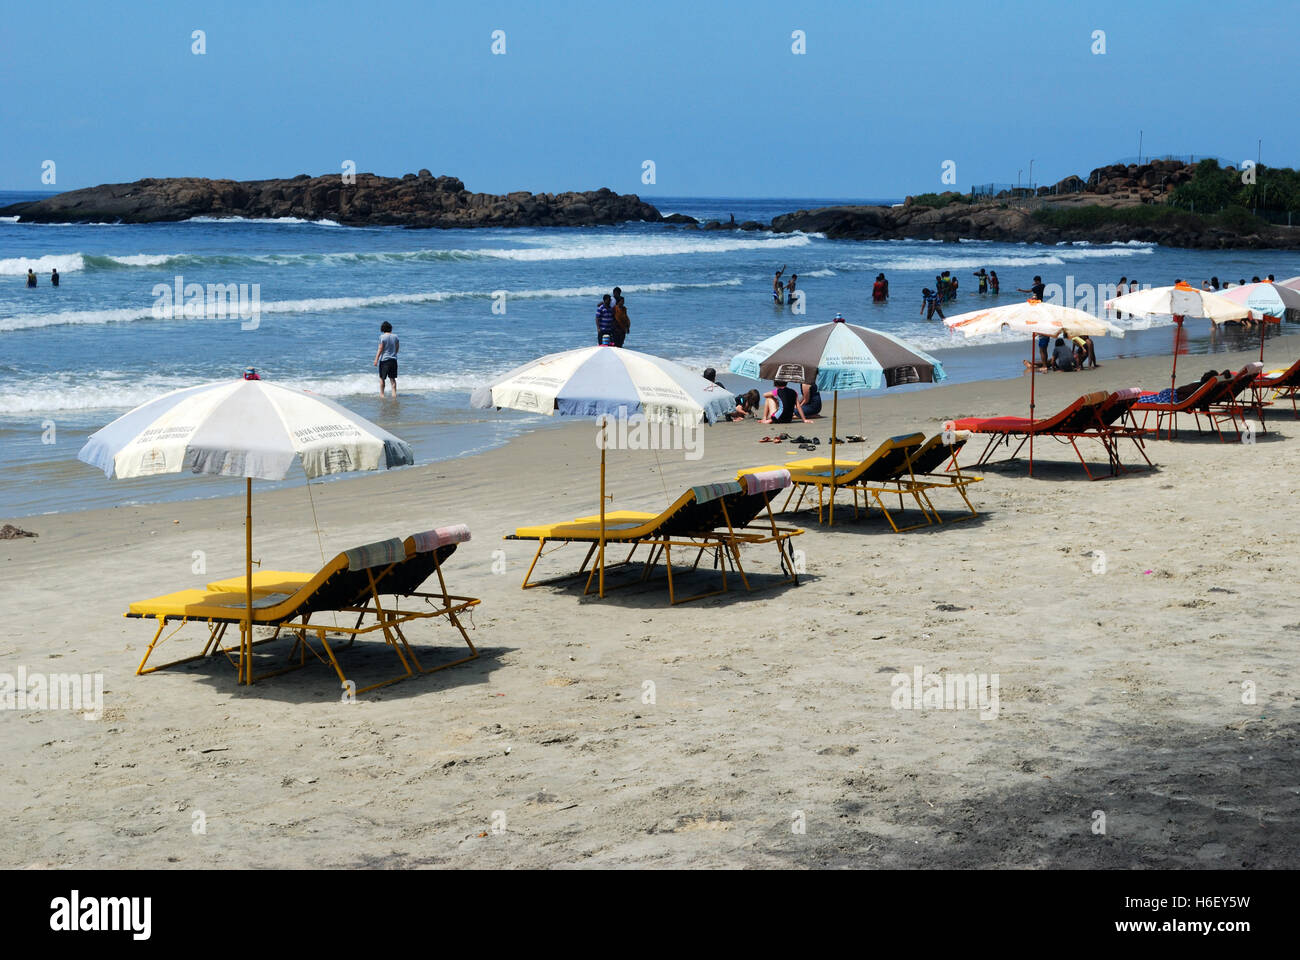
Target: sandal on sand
{"x": 806, "y": 446}
{"x": 784, "y": 436}
{"x": 801, "y": 439}
{"x": 854, "y": 438}
{"x": 765, "y": 440}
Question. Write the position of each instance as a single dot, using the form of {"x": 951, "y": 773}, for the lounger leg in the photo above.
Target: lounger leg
{"x": 540, "y": 543}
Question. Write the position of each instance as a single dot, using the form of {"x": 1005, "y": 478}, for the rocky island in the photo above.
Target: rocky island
{"x": 1149, "y": 203}
{"x": 414, "y": 200}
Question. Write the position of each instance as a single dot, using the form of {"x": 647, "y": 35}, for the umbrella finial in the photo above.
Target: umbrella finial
{"x": 838, "y": 318}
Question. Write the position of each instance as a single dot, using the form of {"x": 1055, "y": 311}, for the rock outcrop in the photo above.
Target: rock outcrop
{"x": 413, "y": 200}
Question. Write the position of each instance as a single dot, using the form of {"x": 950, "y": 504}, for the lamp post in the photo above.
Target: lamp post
{"x": 1031, "y": 174}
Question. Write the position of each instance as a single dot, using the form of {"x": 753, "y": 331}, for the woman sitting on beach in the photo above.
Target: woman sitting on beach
{"x": 812, "y": 400}
{"x": 782, "y": 404}
{"x": 746, "y": 405}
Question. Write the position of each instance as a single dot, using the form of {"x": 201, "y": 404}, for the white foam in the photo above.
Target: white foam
{"x": 145, "y": 259}
{"x": 63, "y": 262}
{"x": 638, "y": 246}
{"x": 8, "y": 219}
{"x": 32, "y": 321}
{"x": 267, "y": 220}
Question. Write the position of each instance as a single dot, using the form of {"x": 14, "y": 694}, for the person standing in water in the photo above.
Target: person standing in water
{"x": 993, "y": 282}
{"x": 621, "y": 323}
{"x": 983, "y": 279}
{"x": 54, "y": 277}
{"x": 789, "y": 289}
{"x": 386, "y": 357}
{"x": 880, "y": 289}
{"x": 31, "y": 278}
{"x": 605, "y": 325}
{"x": 778, "y": 296}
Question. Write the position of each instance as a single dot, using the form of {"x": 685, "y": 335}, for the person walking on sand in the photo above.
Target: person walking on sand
{"x": 54, "y": 277}
{"x": 386, "y": 357}
{"x": 778, "y": 291}
{"x": 31, "y": 278}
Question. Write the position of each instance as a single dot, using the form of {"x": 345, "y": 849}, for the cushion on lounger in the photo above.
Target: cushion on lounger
{"x": 766, "y": 481}
{"x": 1128, "y": 393}
{"x": 376, "y": 554}
{"x": 430, "y": 540}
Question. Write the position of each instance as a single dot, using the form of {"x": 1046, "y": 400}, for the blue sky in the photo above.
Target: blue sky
{"x": 710, "y": 91}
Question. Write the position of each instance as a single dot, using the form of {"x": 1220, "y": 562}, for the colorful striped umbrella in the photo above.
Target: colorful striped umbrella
{"x": 1268, "y": 302}
{"x": 242, "y": 428}
{"x": 837, "y": 356}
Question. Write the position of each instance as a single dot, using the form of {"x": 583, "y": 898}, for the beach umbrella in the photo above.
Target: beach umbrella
{"x": 837, "y": 356}
{"x": 607, "y": 381}
{"x": 1037, "y": 319}
{"x": 1180, "y": 301}
{"x": 1291, "y": 282}
{"x": 253, "y": 429}
{"x": 1268, "y": 302}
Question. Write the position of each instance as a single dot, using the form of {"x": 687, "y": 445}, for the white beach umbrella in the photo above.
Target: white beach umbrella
{"x": 242, "y": 428}
{"x": 607, "y": 381}
{"x": 1038, "y": 319}
{"x": 1180, "y": 301}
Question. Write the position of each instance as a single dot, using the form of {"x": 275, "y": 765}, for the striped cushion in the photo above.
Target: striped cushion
{"x": 766, "y": 481}
{"x": 431, "y": 540}
{"x": 712, "y": 491}
{"x": 377, "y": 554}
{"x": 1128, "y": 393}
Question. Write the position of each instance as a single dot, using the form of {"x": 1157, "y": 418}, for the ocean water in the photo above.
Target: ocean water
{"x": 75, "y": 357}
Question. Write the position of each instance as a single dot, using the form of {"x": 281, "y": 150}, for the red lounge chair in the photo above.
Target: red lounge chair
{"x": 1203, "y": 395}
{"x": 1284, "y": 386}
{"x": 1228, "y": 405}
{"x": 1115, "y": 421}
{"x": 1077, "y": 420}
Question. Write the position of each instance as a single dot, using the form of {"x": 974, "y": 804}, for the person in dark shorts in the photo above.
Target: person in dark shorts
{"x": 54, "y": 277}
{"x": 386, "y": 357}
{"x": 930, "y": 304}
{"x": 1036, "y": 288}
{"x": 606, "y": 327}
{"x": 812, "y": 400}
{"x": 31, "y": 277}
{"x": 621, "y": 323}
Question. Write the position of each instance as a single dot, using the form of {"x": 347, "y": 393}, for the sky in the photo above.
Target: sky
{"x": 885, "y": 98}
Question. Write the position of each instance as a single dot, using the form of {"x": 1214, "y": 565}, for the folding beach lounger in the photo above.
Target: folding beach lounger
{"x": 353, "y": 582}
{"x": 883, "y": 471}
{"x": 1166, "y": 412}
{"x": 1076, "y": 421}
{"x": 926, "y": 469}
{"x": 1284, "y": 387}
{"x": 1216, "y": 400}
{"x": 715, "y": 517}
{"x": 1228, "y": 404}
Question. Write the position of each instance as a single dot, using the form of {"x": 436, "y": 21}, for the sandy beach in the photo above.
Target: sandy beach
{"x": 771, "y": 739}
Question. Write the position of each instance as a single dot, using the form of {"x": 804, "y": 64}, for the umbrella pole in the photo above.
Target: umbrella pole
{"x": 1173, "y": 377}
{"x": 1033, "y": 382}
{"x": 1261, "y": 339}
{"x": 600, "y": 557}
{"x": 835, "y": 418}
{"x": 247, "y": 659}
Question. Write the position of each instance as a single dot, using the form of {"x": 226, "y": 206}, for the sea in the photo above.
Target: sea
{"x": 469, "y": 305}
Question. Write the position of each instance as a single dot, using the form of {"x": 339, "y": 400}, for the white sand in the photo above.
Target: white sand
{"x": 1119, "y": 692}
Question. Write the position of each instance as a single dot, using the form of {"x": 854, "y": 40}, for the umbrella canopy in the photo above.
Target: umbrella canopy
{"x": 607, "y": 381}
{"x": 1265, "y": 299}
{"x": 592, "y": 381}
{"x": 1032, "y": 316}
{"x": 837, "y": 356}
{"x": 242, "y": 428}
{"x": 1292, "y": 282}
{"x": 1180, "y": 300}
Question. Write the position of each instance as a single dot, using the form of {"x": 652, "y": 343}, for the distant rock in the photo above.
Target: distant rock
{"x": 10, "y": 532}
{"x": 413, "y": 200}
{"x": 679, "y": 218}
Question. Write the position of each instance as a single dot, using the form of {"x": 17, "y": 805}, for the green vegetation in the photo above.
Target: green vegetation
{"x": 1214, "y": 188}
{"x": 937, "y": 200}
{"x": 1234, "y": 218}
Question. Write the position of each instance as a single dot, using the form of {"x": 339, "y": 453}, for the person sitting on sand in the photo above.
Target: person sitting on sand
{"x": 31, "y": 277}
{"x": 747, "y": 404}
{"x": 782, "y": 404}
{"x": 811, "y": 404}
{"x": 930, "y": 304}
{"x": 1063, "y": 356}
{"x": 1084, "y": 351}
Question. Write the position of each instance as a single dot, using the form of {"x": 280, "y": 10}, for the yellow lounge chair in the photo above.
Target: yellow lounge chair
{"x": 713, "y": 517}
{"x": 353, "y": 582}
{"x": 884, "y": 471}
{"x": 925, "y": 464}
